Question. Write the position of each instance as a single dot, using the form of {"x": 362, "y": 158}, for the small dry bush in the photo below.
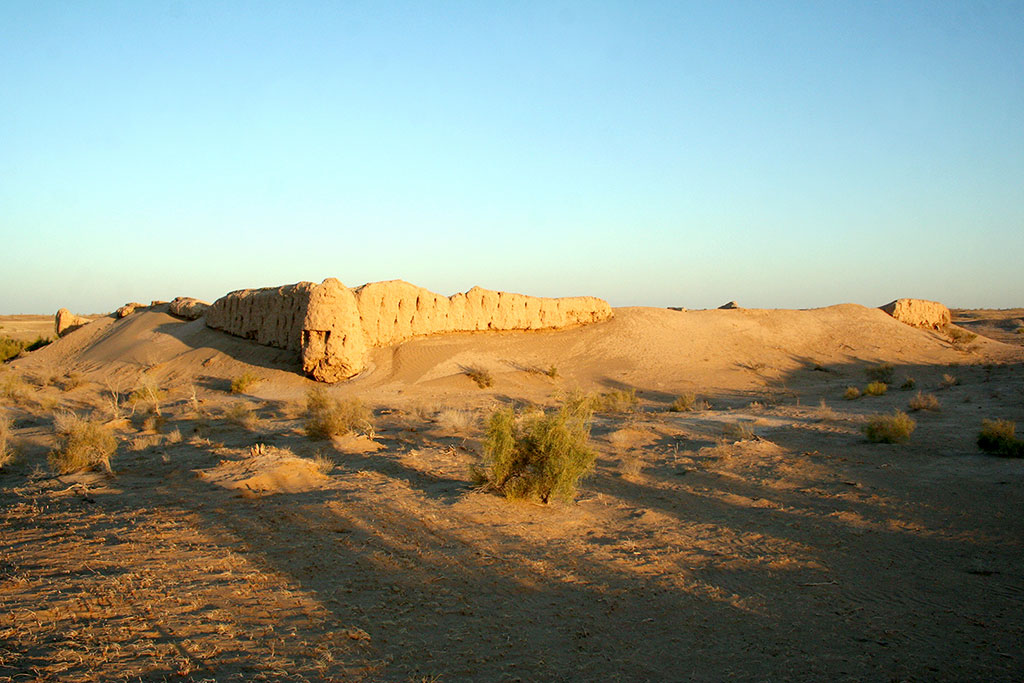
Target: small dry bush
{"x": 324, "y": 464}
{"x": 82, "y": 444}
{"x": 147, "y": 394}
{"x": 876, "y": 389}
{"x": 72, "y": 381}
{"x": 851, "y": 393}
{"x": 684, "y": 404}
{"x": 242, "y": 414}
{"x": 924, "y": 402}
{"x": 13, "y": 387}
{"x": 948, "y": 381}
{"x": 614, "y": 401}
{"x": 630, "y": 466}
{"x": 895, "y": 428}
{"x": 7, "y": 451}
{"x": 883, "y": 372}
{"x": 244, "y": 382}
{"x": 539, "y": 455}
{"x": 479, "y": 375}
{"x": 909, "y": 383}
{"x": 959, "y": 336}
{"x": 737, "y": 431}
{"x": 454, "y": 420}
{"x": 998, "y": 437}
{"x": 824, "y": 412}
{"x": 173, "y": 436}
{"x": 327, "y": 417}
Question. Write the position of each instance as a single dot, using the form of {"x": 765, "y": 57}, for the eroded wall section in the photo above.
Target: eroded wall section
{"x": 333, "y": 326}
{"x": 919, "y": 313}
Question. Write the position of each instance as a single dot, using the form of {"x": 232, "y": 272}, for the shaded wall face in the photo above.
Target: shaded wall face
{"x": 332, "y": 326}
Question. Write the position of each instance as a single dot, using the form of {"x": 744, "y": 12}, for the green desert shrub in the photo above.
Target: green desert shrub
{"x": 479, "y": 375}
{"x": 895, "y": 428}
{"x": 244, "y": 382}
{"x": 539, "y": 455}
{"x": 998, "y": 437}
{"x": 851, "y": 393}
{"x": 924, "y": 402}
{"x": 12, "y": 348}
{"x": 883, "y": 372}
{"x": 327, "y": 417}
{"x": 876, "y": 389}
{"x": 82, "y": 444}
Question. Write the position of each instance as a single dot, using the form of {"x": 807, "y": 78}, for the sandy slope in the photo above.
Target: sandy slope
{"x": 804, "y": 553}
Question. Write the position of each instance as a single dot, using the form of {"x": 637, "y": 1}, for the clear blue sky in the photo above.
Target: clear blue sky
{"x": 652, "y": 153}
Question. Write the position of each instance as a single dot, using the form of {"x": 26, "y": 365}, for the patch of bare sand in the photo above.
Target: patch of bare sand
{"x": 801, "y": 553}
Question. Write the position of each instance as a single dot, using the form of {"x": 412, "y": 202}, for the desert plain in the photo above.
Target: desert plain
{"x": 750, "y": 533}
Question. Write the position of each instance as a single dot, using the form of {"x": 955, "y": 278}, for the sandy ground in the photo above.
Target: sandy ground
{"x": 801, "y": 553}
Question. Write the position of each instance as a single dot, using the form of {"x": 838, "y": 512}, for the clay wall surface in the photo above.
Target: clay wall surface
{"x": 188, "y": 308}
{"x": 272, "y": 315}
{"x": 919, "y": 313}
{"x": 333, "y": 326}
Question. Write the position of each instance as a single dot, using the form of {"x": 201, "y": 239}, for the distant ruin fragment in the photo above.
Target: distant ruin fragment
{"x": 65, "y": 321}
{"x": 188, "y": 308}
{"x": 919, "y": 313}
{"x": 333, "y": 326}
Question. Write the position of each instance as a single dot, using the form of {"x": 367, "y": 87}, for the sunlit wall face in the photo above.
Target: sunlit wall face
{"x": 664, "y": 154}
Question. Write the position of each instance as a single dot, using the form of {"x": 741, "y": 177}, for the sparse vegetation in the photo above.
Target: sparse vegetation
{"x": 998, "y": 437}
{"x": 851, "y": 393}
{"x": 876, "y": 389}
{"x": 453, "y": 420}
{"x": 737, "y": 431}
{"x": 948, "y": 381}
{"x": 881, "y": 373}
{"x": 149, "y": 394}
{"x": 72, "y": 381}
{"x": 909, "y": 383}
{"x": 324, "y": 464}
{"x": 630, "y": 466}
{"x": 12, "y": 348}
{"x": 13, "y": 387}
{"x": 244, "y": 382}
{"x": 7, "y": 451}
{"x": 684, "y": 403}
{"x": 242, "y": 414}
{"x": 895, "y": 428}
{"x": 327, "y": 417}
{"x": 824, "y": 412}
{"x": 540, "y": 455}
{"x": 615, "y": 401}
{"x": 82, "y": 444}
{"x": 924, "y": 402}
{"x": 959, "y": 337}
{"x": 481, "y": 376}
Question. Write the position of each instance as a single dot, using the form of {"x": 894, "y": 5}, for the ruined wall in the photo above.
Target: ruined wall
{"x": 919, "y": 313}
{"x": 188, "y": 308}
{"x": 333, "y": 326}
{"x": 65, "y": 322}
{"x": 272, "y": 315}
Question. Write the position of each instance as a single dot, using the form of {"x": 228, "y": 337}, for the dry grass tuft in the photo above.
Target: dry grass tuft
{"x": 242, "y": 414}
{"x": 244, "y": 382}
{"x": 876, "y": 389}
{"x": 895, "y": 428}
{"x": 851, "y": 393}
{"x": 883, "y": 372}
{"x": 147, "y": 394}
{"x": 824, "y": 412}
{"x": 454, "y": 420}
{"x": 737, "y": 431}
{"x": 909, "y": 383}
{"x": 998, "y": 437}
{"x": 324, "y": 464}
{"x": 684, "y": 404}
{"x": 481, "y": 376}
{"x": 614, "y": 401}
{"x": 924, "y": 402}
{"x": 327, "y": 417}
{"x": 630, "y": 466}
{"x": 82, "y": 444}
{"x": 948, "y": 381}
{"x": 7, "y": 450}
